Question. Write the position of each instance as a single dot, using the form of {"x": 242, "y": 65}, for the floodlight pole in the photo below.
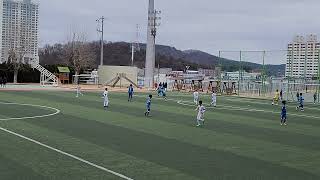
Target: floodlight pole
{"x": 101, "y": 31}
{"x": 154, "y": 24}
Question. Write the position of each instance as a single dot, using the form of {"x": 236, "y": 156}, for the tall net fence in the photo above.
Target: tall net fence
{"x": 262, "y": 73}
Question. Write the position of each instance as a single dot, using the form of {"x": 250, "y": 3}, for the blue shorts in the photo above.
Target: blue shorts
{"x": 283, "y": 116}
{"x": 148, "y": 108}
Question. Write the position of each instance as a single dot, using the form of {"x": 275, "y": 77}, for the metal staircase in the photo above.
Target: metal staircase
{"x": 46, "y": 77}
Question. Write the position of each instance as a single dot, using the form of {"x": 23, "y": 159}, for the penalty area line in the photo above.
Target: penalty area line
{"x": 66, "y": 154}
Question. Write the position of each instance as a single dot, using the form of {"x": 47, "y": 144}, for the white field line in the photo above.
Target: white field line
{"x": 264, "y": 103}
{"x": 234, "y": 108}
{"x": 57, "y": 111}
{"x": 66, "y": 154}
{"x": 52, "y": 148}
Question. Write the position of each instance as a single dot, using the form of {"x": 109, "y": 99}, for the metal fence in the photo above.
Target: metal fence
{"x": 261, "y": 73}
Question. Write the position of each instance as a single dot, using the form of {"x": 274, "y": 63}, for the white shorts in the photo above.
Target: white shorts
{"x": 106, "y": 103}
{"x": 200, "y": 117}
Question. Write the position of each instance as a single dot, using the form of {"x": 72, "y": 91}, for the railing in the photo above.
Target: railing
{"x": 46, "y": 77}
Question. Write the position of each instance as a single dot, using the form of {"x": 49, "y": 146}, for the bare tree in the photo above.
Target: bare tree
{"x": 16, "y": 60}
{"x": 78, "y": 53}
{"x": 18, "y": 49}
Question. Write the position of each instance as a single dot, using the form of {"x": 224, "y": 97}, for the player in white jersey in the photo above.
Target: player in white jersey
{"x": 105, "y": 99}
{"x": 196, "y": 97}
{"x": 79, "y": 91}
{"x": 200, "y": 117}
{"x": 214, "y": 99}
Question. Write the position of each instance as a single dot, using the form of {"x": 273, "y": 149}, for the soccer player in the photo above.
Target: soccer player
{"x": 164, "y": 93}
{"x": 4, "y": 81}
{"x": 196, "y": 97}
{"x": 214, "y": 99}
{"x": 148, "y": 104}
{"x": 276, "y": 98}
{"x": 130, "y": 92}
{"x": 159, "y": 92}
{"x": 301, "y": 103}
{"x": 79, "y": 91}
{"x": 105, "y": 99}
{"x": 315, "y": 98}
{"x": 200, "y": 117}
{"x": 165, "y": 86}
{"x": 298, "y": 96}
{"x": 284, "y": 113}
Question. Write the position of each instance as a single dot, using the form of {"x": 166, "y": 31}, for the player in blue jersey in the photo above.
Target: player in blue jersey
{"x": 301, "y": 103}
{"x": 298, "y": 96}
{"x": 284, "y": 113}
{"x": 148, "y": 105}
{"x": 163, "y": 92}
{"x": 130, "y": 93}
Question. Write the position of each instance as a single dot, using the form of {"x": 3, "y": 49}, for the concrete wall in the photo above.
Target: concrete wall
{"x": 107, "y": 73}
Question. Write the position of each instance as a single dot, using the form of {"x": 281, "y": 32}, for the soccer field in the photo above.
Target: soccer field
{"x": 53, "y": 135}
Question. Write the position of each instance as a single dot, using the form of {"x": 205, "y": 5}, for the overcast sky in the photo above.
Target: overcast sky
{"x": 207, "y": 25}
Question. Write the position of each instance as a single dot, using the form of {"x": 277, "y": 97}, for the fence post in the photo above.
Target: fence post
{"x": 240, "y": 74}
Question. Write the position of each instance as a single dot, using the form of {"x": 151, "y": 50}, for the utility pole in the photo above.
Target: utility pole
{"x": 305, "y": 66}
{"x": 220, "y": 66}
{"x": 240, "y": 73}
{"x": 135, "y": 46}
{"x": 264, "y": 74}
{"x": 290, "y": 54}
{"x": 101, "y": 31}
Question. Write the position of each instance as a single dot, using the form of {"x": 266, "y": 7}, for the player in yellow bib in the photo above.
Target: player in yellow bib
{"x": 276, "y": 98}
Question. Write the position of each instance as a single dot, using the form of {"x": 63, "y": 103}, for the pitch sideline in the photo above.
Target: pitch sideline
{"x": 52, "y": 148}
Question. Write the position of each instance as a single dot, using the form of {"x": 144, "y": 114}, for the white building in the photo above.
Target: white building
{"x": 303, "y": 57}
{"x": 20, "y": 25}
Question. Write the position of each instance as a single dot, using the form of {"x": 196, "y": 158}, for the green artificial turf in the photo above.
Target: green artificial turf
{"x": 242, "y": 138}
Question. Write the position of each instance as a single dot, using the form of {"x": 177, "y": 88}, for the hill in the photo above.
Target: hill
{"x": 118, "y": 53}
{"x": 203, "y": 58}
